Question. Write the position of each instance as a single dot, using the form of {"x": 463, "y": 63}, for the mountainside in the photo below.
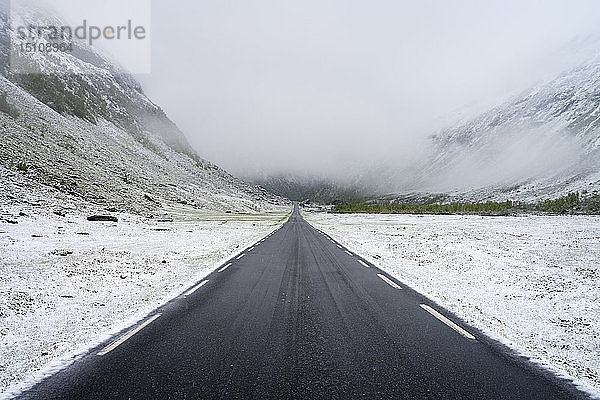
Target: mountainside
{"x": 310, "y": 188}
{"x": 543, "y": 143}
{"x": 88, "y": 132}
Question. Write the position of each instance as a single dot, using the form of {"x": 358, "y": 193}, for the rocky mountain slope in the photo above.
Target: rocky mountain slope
{"x": 82, "y": 130}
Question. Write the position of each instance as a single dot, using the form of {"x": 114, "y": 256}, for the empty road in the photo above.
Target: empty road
{"x": 297, "y": 316}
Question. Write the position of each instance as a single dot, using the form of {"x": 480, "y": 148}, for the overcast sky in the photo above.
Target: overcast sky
{"x": 330, "y": 86}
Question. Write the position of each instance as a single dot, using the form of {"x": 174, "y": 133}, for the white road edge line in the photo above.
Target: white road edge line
{"x": 250, "y": 249}
{"x": 339, "y": 246}
{"x": 225, "y": 267}
{"x": 389, "y": 281}
{"x": 347, "y": 252}
{"x": 240, "y": 256}
{"x": 126, "y": 336}
{"x": 447, "y": 322}
{"x": 198, "y": 286}
{"x": 364, "y": 263}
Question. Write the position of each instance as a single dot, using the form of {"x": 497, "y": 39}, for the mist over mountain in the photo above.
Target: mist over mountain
{"x": 542, "y": 143}
{"x": 320, "y": 190}
{"x": 332, "y": 90}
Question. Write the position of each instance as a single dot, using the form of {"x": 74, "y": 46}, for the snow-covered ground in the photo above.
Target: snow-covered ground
{"x": 532, "y": 282}
{"x": 66, "y": 283}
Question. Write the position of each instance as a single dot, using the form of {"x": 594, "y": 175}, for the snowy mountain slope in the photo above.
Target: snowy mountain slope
{"x": 90, "y": 132}
{"x": 541, "y": 144}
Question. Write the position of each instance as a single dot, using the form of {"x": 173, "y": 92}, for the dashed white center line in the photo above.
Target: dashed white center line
{"x": 347, "y": 252}
{"x": 240, "y": 256}
{"x": 447, "y": 322}
{"x": 250, "y": 249}
{"x": 225, "y": 267}
{"x": 198, "y": 286}
{"x": 364, "y": 263}
{"x": 389, "y": 281}
{"x": 126, "y": 336}
{"x": 338, "y": 246}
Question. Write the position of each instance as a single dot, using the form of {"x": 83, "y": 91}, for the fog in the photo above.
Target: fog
{"x": 331, "y": 87}
{"x": 508, "y": 157}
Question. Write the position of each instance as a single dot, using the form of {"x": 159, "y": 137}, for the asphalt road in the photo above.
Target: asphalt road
{"x": 297, "y": 316}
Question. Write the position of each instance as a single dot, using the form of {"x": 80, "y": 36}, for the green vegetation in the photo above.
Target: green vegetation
{"x": 85, "y": 97}
{"x": 573, "y": 203}
{"x": 22, "y": 167}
